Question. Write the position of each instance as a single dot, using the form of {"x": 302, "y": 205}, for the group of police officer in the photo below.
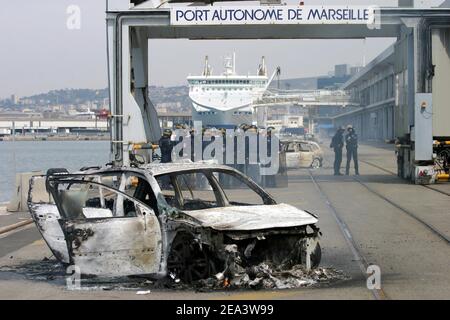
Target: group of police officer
{"x": 350, "y": 140}
{"x": 351, "y": 143}
{"x": 166, "y": 143}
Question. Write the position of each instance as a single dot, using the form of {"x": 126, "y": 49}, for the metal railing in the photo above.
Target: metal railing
{"x": 305, "y": 98}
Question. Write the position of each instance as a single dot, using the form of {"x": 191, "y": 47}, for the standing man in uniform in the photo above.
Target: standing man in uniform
{"x": 337, "y": 143}
{"x": 351, "y": 141}
{"x": 166, "y": 146}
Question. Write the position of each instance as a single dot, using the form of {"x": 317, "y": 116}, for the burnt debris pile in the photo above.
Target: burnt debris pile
{"x": 261, "y": 276}
{"x": 44, "y": 270}
{"x": 265, "y": 276}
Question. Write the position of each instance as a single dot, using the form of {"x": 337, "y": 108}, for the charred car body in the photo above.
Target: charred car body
{"x": 302, "y": 154}
{"x": 185, "y": 220}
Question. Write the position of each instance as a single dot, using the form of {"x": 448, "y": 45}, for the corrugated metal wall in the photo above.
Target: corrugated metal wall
{"x": 403, "y": 75}
{"x": 441, "y": 82}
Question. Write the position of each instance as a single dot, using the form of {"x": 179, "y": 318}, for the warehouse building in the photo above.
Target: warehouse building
{"x": 373, "y": 88}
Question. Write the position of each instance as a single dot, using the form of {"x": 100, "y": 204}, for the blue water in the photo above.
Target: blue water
{"x": 41, "y": 155}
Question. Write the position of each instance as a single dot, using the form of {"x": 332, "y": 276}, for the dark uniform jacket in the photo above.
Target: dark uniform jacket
{"x": 338, "y": 141}
{"x": 166, "y": 146}
{"x": 351, "y": 140}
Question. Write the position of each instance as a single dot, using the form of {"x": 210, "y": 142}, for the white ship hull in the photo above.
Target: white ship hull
{"x": 223, "y": 119}
{"x": 226, "y": 100}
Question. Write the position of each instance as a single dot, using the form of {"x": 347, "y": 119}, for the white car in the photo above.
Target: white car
{"x": 302, "y": 154}
{"x": 191, "y": 220}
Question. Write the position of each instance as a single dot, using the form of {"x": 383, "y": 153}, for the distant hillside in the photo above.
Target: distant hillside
{"x": 177, "y": 96}
{"x": 69, "y": 96}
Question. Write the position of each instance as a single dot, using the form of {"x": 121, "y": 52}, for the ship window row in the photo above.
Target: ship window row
{"x": 228, "y": 89}
{"x": 252, "y": 82}
{"x": 219, "y": 89}
{"x": 241, "y": 112}
{"x": 204, "y": 113}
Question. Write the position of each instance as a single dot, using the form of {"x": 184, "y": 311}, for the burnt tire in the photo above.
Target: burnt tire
{"x": 188, "y": 261}
{"x": 316, "y": 256}
{"x": 316, "y": 164}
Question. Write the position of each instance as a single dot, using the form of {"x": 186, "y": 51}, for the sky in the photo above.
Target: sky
{"x": 39, "y": 53}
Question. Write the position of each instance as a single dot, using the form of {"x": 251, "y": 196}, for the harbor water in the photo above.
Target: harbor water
{"x": 26, "y": 156}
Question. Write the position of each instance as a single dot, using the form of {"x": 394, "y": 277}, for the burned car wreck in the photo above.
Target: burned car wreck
{"x": 188, "y": 221}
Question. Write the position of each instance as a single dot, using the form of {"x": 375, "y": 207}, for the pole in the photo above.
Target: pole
{"x": 14, "y": 147}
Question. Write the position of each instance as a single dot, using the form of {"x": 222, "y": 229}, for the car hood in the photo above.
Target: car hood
{"x": 247, "y": 218}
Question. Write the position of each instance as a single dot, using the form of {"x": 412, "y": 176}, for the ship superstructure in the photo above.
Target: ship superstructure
{"x": 226, "y": 100}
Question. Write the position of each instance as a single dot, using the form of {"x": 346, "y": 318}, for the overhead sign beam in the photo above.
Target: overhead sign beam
{"x": 242, "y": 15}
{"x": 286, "y": 22}
{"x": 130, "y": 28}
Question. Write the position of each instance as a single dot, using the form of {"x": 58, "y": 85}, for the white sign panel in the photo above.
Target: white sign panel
{"x": 231, "y": 15}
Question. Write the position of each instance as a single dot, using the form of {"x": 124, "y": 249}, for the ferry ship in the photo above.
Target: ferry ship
{"x": 225, "y": 100}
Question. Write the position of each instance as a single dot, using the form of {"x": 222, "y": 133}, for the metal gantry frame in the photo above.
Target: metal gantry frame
{"x": 134, "y": 118}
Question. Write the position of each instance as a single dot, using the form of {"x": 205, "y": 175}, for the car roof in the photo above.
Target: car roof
{"x": 164, "y": 168}
{"x": 294, "y": 140}
{"x": 154, "y": 169}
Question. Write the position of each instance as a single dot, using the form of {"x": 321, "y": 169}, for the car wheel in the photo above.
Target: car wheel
{"x": 188, "y": 261}
{"x": 316, "y": 164}
{"x": 316, "y": 256}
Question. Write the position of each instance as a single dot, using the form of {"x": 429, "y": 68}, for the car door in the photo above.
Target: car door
{"x": 101, "y": 241}
{"x": 318, "y": 154}
{"x": 306, "y": 155}
{"x": 292, "y": 155}
{"x": 46, "y": 215}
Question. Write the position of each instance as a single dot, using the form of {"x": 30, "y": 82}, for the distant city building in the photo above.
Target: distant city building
{"x": 14, "y": 99}
{"x": 341, "y": 70}
{"x": 26, "y": 101}
{"x": 57, "y": 108}
{"x": 331, "y": 83}
{"x": 342, "y": 73}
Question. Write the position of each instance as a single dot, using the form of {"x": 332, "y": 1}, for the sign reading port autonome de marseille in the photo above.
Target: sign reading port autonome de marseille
{"x": 211, "y": 15}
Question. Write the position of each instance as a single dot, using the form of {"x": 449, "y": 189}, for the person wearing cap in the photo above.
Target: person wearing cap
{"x": 337, "y": 144}
{"x": 351, "y": 143}
{"x": 166, "y": 146}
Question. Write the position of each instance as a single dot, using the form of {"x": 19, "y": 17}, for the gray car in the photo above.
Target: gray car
{"x": 191, "y": 220}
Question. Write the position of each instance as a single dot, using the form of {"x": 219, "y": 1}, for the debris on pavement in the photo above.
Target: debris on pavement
{"x": 264, "y": 276}
{"x": 44, "y": 270}
{"x": 259, "y": 277}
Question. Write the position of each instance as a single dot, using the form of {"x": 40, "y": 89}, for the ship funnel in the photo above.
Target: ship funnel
{"x": 229, "y": 64}
{"x": 207, "y": 68}
{"x": 262, "y": 70}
